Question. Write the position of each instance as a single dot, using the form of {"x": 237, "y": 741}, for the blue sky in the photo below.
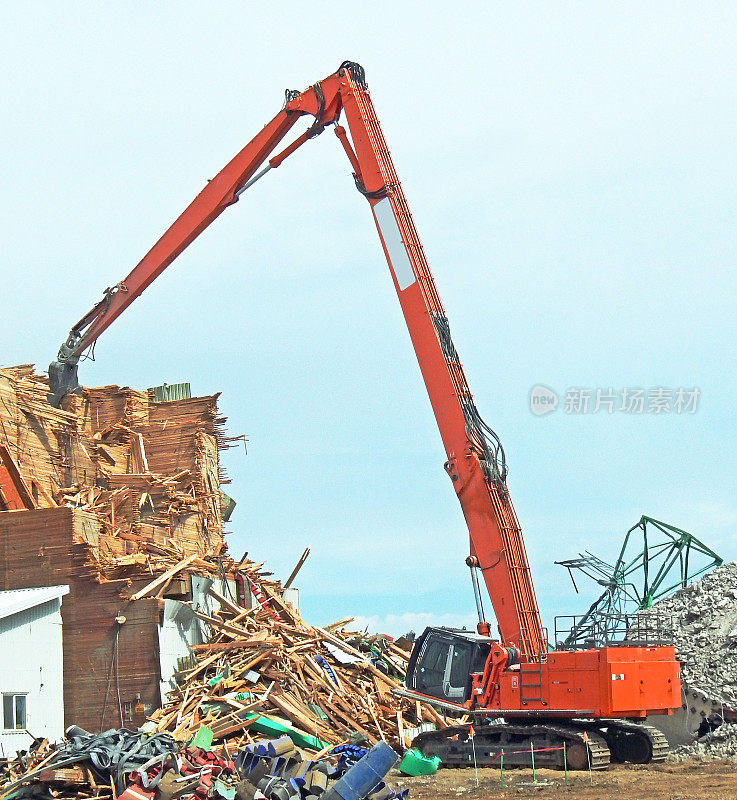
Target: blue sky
{"x": 571, "y": 170}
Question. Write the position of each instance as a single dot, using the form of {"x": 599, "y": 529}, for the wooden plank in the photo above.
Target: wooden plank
{"x": 227, "y": 627}
{"x": 224, "y": 602}
{"x": 238, "y": 644}
{"x": 235, "y": 728}
{"x": 170, "y": 573}
{"x": 297, "y": 567}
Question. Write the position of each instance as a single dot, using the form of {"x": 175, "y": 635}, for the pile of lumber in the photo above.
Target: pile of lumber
{"x": 148, "y": 471}
{"x": 266, "y": 671}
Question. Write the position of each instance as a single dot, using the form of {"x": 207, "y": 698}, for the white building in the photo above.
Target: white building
{"x": 31, "y": 666}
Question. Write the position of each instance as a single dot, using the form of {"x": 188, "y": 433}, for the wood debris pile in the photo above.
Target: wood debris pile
{"x": 148, "y": 471}
{"x": 137, "y": 482}
{"x": 265, "y": 671}
{"x": 73, "y": 781}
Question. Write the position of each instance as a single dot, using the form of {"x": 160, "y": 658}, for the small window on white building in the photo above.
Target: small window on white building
{"x": 14, "y": 712}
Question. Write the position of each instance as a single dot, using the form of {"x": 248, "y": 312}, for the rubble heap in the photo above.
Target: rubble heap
{"x": 704, "y": 617}
{"x": 705, "y": 631}
{"x": 720, "y": 744}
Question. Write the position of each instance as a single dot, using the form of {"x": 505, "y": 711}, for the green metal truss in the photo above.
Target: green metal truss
{"x": 664, "y": 559}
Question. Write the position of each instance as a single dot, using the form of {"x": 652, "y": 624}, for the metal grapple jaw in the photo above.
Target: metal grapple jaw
{"x": 63, "y": 380}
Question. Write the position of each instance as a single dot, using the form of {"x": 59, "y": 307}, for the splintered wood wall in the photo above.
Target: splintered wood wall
{"x": 149, "y": 471}
{"x": 43, "y": 548}
{"x": 123, "y": 489}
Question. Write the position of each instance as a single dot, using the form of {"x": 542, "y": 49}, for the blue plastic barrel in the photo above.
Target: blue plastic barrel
{"x": 363, "y": 778}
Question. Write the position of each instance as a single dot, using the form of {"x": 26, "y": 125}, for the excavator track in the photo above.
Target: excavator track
{"x": 456, "y": 748}
{"x": 633, "y": 742}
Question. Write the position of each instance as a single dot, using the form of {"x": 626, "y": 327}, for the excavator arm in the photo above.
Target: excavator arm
{"x": 475, "y": 458}
{"x": 219, "y": 193}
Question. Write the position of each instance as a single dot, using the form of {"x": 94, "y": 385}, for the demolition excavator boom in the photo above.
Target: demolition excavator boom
{"x": 586, "y": 699}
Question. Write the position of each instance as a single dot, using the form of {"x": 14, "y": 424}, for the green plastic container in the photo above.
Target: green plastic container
{"x": 414, "y": 763}
{"x": 203, "y": 738}
{"x": 273, "y": 728}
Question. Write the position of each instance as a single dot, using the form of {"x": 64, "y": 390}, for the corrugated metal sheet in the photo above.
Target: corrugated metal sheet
{"x": 171, "y": 391}
{"x": 24, "y": 618}
{"x": 291, "y": 595}
{"x": 179, "y": 628}
{"x": 32, "y": 665}
{"x": 14, "y": 601}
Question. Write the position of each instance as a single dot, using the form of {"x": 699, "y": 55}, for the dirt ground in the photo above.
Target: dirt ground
{"x": 687, "y": 781}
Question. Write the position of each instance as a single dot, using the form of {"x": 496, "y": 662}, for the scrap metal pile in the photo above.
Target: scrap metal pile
{"x": 128, "y": 765}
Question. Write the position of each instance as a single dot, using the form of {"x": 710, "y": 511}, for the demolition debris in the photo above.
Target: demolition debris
{"x": 704, "y": 616}
{"x": 267, "y": 671}
{"x": 719, "y": 744}
{"x": 127, "y": 765}
{"x": 149, "y": 471}
{"x": 705, "y": 632}
{"x": 118, "y": 495}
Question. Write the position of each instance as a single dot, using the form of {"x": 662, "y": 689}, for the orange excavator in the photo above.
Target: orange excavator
{"x": 585, "y": 706}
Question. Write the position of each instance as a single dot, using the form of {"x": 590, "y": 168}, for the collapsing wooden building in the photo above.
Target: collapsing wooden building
{"x": 117, "y": 496}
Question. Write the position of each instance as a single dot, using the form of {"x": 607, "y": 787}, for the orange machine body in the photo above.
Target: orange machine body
{"x": 630, "y": 682}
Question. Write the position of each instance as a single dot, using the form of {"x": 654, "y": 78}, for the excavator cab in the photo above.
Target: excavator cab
{"x": 443, "y": 661}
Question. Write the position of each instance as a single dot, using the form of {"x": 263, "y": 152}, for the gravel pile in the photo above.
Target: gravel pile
{"x": 719, "y": 744}
{"x": 705, "y": 629}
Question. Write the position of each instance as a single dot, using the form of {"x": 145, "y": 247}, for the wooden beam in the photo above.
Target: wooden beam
{"x": 297, "y": 568}
{"x": 170, "y": 573}
{"x": 224, "y": 602}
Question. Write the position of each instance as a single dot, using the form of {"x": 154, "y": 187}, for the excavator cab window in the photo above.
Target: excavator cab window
{"x": 443, "y": 667}
{"x": 432, "y": 667}
{"x": 460, "y": 667}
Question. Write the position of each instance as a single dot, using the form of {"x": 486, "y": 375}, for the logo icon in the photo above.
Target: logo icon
{"x": 543, "y": 400}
